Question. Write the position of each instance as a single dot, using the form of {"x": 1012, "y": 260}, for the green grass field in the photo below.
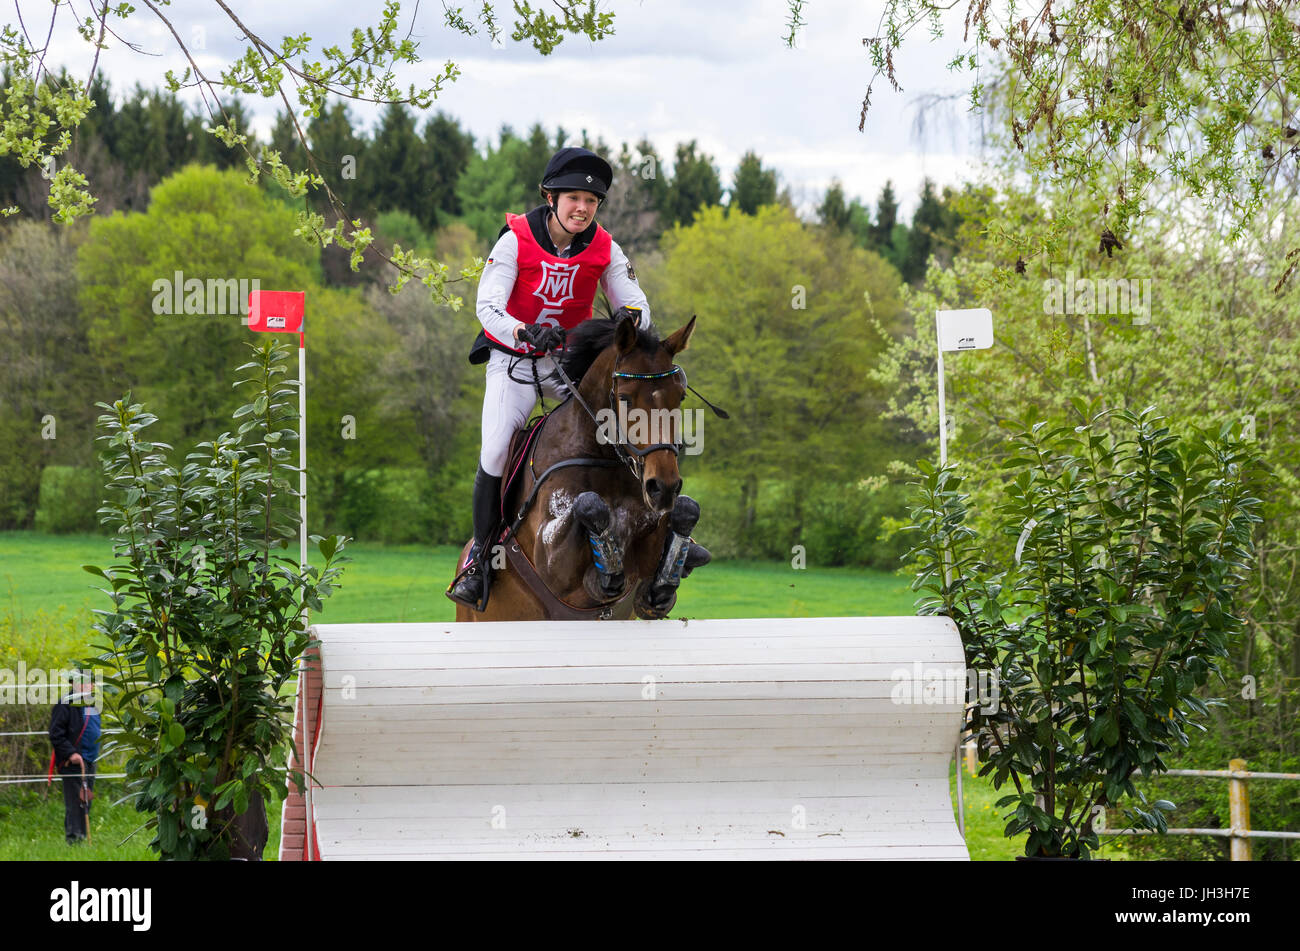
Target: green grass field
{"x": 41, "y": 578}
{"x": 406, "y": 583}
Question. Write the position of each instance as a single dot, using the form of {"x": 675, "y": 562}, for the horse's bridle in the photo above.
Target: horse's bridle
{"x": 622, "y": 445}
{"x": 635, "y": 461}
{"x": 621, "y": 440}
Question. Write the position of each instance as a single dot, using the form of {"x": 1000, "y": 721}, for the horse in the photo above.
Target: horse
{"x": 600, "y": 527}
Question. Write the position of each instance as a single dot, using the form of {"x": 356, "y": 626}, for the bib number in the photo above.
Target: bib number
{"x": 548, "y": 317}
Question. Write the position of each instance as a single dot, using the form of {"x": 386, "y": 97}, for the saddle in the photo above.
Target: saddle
{"x": 520, "y": 459}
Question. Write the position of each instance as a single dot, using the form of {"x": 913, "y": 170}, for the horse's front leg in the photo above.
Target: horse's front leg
{"x": 606, "y": 579}
{"x": 658, "y": 594}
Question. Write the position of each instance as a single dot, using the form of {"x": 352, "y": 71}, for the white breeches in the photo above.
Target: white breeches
{"x": 508, "y": 404}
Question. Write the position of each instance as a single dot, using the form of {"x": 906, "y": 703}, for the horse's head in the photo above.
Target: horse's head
{"x": 629, "y": 376}
{"x": 646, "y": 390}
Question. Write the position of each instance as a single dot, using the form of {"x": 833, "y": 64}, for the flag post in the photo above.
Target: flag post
{"x": 302, "y": 456}
{"x": 958, "y": 330}
{"x": 283, "y": 312}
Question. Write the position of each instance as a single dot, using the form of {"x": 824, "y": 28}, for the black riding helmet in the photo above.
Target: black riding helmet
{"x": 575, "y": 169}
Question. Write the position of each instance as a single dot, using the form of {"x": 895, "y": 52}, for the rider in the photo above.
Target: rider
{"x": 540, "y": 280}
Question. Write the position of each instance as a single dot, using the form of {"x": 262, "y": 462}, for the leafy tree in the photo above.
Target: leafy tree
{"x": 357, "y": 418}
{"x": 492, "y": 185}
{"x": 205, "y": 224}
{"x": 284, "y": 139}
{"x": 40, "y": 111}
{"x": 1118, "y": 102}
{"x": 426, "y": 371}
{"x": 695, "y": 184}
{"x": 1210, "y": 344}
{"x": 774, "y": 327}
{"x": 207, "y": 150}
{"x": 754, "y": 185}
{"x": 209, "y": 620}
{"x": 46, "y": 373}
{"x": 860, "y": 225}
{"x": 531, "y": 162}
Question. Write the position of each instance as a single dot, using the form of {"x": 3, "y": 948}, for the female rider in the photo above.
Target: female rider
{"x": 540, "y": 279}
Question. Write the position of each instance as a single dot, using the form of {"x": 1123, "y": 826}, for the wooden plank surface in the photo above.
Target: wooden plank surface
{"x": 748, "y": 738}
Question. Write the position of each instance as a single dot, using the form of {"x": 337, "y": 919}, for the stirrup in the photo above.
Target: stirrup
{"x": 476, "y": 570}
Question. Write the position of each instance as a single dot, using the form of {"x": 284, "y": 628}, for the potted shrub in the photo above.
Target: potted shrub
{"x": 1117, "y": 604}
{"x": 208, "y": 621}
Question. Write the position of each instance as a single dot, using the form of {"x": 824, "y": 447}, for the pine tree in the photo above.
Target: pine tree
{"x": 886, "y": 218}
{"x": 833, "y": 212}
{"x": 447, "y": 151}
{"x": 695, "y": 184}
{"x": 343, "y": 159}
{"x": 395, "y": 164}
{"x": 753, "y": 186}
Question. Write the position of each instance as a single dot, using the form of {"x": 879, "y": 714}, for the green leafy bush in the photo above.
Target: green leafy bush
{"x": 1115, "y": 611}
{"x": 208, "y": 625}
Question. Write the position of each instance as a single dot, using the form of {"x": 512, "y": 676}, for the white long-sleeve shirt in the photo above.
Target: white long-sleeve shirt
{"x": 498, "y": 280}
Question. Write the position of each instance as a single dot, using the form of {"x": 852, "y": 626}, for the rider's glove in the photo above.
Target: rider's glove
{"x": 542, "y": 337}
{"x": 633, "y": 312}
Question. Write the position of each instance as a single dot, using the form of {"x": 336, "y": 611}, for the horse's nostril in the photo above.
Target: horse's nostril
{"x": 660, "y": 493}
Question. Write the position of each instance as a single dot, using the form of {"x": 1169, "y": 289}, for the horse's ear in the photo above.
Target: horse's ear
{"x": 625, "y": 335}
{"x": 681, "y": 338}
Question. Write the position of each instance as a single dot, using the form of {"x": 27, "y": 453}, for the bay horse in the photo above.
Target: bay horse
{"x": 605, "y": 530}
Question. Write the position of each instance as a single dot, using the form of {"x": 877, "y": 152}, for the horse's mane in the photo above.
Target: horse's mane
{"x": 585, "y": 342}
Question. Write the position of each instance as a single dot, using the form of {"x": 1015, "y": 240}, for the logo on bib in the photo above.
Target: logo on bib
{"x": 557, "y": 283}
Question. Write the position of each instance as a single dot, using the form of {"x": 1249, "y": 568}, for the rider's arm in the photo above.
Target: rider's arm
{"x": 620, "y": 286}
{"x": 494, "y": 288}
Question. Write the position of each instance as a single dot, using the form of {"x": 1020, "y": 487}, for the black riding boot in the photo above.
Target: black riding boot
{"x": 470, "y": 590}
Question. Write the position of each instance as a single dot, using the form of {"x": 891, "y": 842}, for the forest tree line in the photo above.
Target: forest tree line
{"x": 786, "y": 305}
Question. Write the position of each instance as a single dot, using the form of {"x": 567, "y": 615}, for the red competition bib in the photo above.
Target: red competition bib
{"x": 553, "y": 290}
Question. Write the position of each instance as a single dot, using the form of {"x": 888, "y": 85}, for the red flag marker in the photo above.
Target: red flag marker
{"x": 276, "y": 311}
{"x": 282, "y": 312}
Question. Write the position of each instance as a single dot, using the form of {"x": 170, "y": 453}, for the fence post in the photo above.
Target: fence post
{"x": 1239, "y": 812}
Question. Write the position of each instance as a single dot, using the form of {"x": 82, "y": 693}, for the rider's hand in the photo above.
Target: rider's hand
{"x": 541, "y": 337}
{"x": 75, "y": 759}
{"x": 633, "y": 312}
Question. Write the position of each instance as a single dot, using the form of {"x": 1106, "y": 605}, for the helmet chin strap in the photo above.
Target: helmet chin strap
{"x": 558, "y": 220}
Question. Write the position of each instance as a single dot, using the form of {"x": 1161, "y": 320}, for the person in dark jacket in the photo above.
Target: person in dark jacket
{"x": 74, "y": 734}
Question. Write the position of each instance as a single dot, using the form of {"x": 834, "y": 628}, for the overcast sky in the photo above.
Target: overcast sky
{"x": 718, "y": 73}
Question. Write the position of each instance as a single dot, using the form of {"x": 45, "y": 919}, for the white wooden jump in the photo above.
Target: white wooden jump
{"x": 738, "y": 739}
